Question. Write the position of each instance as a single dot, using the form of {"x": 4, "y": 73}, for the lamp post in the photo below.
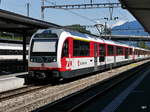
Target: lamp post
{"x": 42, "y": 9}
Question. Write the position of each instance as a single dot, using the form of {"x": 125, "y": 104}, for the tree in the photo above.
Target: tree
{"x": 78, "y": 28}
{"x": 142, "y": 44}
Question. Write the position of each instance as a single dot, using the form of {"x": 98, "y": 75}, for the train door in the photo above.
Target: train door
{"x": 126, "y": 53}
{"x": 115, "y": 54}
{"x": 95, "y": 56}
{"x": 102, "y": 51}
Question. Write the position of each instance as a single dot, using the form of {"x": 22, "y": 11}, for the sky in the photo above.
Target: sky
{"x": 68, "y": 17}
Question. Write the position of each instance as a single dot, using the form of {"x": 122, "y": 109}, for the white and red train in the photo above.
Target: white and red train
{"x": 59, "y": 53}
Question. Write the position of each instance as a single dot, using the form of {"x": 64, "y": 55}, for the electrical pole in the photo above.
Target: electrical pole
{"x": 91, "y": 1}
{"x": 28, "y": 9}
{"x": 105, "y": 28}
{"x": 111, "y": 12}
{"x": 42, "y": 9}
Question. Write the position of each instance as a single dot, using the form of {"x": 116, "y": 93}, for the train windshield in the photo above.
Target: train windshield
{"x": 44, "y": 47}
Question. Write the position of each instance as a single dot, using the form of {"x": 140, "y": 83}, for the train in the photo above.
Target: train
{"x": 61, "y": 54}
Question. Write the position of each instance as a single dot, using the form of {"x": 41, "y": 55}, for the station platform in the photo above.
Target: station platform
{"x": 131, "y": 95}
{"x": 138, "y": 99}
{"x": 3, "y": 76}
{"x": 134, "y": 98}
{"x": 12, "y": 81}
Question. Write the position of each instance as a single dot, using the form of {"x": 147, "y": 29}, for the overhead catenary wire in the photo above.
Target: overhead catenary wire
{"x": 52, "y": 3}
{"x": 77, "y": 14}
{"x": 84, "y": 17}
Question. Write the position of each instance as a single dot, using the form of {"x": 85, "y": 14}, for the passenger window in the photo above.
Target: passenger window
{"x": 110, "y": 50}
{"x": 119, "y": 51}
{"x": 81, "y": 48}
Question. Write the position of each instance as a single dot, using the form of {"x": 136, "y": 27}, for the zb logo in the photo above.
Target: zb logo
{"x": 69, "y": 64}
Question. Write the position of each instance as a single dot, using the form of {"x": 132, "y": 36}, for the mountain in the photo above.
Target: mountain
{"x": 123, "y": 29}
{"x": 119, "y": 30}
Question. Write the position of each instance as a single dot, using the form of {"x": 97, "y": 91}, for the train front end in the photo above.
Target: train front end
{"x": 43, "y": 62}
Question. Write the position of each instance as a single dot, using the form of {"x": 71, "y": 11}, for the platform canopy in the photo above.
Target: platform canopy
{"x": 22, "y": 25}
{"x": 140, "y": 9}
{"x": 16, "y": 23}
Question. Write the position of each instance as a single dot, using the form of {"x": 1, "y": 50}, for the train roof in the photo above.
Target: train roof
{"x": 138, "y": 48}
{"x": 94, "y": 38}
{"x": 86, "y": 37}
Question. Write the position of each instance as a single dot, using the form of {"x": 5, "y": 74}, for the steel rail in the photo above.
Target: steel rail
{"x": 77, "y": 107}
{"x": 20, "y": 91}
{"x": 118, "y": 79}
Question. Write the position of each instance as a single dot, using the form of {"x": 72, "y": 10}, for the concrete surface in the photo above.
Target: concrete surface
{"x": 12, "y": 81}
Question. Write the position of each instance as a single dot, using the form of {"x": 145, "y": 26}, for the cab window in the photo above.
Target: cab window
{"x": 65, "y": 49}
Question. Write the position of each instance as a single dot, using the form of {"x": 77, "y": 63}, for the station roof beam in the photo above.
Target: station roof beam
{"x": 15, "y": 23}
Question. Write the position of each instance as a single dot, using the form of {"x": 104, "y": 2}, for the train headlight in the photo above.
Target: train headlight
{"x": 54, "y": 59}
{"x": 32, "y": 59}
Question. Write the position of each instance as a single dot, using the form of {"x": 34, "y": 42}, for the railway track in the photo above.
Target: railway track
{"x": 20, "y": 91}
{"x": 75, "y": 102}
{"x": 36, "y": 97}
